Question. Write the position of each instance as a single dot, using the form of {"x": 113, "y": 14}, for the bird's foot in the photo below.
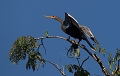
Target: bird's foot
{"x": 82, "y": 45}
{"x": 69, "y": 37}
{"x": 73, "y": 41}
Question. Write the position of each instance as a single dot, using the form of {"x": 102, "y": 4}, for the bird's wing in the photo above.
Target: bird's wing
{"x": 83, "y": 29}
{"x": 71, "y": 19}
{"x": 88, "y": 32}
{"x": 66, "y": 21}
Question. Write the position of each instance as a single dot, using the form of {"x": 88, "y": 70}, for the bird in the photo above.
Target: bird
{"x": 85, "y": 29}
{"x": 73, "y": 29}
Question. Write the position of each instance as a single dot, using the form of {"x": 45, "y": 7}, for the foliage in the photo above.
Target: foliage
{"x": 113, "y": 62}
{"x": 27, "y": 46}
{"x": 32, "y": 60}
{"x": 73, "y": 51}
{"x": 77, "y": 70}
{"x": 22, "y": 47}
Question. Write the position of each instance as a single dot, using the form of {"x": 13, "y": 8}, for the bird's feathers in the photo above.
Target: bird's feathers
{"x": 67, "y": 14}
{"x": 84, "y": 29}
{"x": 71, "y": 20}
{"x": 74, "y": 29}
{"x": 88, "y": 32}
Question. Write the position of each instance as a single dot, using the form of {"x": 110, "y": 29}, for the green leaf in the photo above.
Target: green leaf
{"x": 116, "y": 66}
{"x": 77, "y": 52}
{"x": 70, "y": 51}
{"x": 75, "y": 67}
{"x": 46, "y": 33}
{"x": 65, "y": 66}
{"x": 37, "y": 66}
{"x": 118, "y": 73}
{"x": 113, "y": 60}
{"x": 97, "y": 47}
{"x": 111, "y": 67}
{"x": 102, "y": 51}
{"x": 70, "y": 69}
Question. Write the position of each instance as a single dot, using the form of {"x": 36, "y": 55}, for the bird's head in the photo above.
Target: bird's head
{"x": 53, "y": 17}
{"x": 56, "y": 18}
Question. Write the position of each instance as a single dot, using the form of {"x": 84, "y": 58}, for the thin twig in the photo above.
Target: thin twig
{"x": 56, "y": 67}
{"x": 78, "y": 61}
{"x": 84, "y": 61}
{"x": 62, "y": 65}
{"x": 68, "y": 52}
{"x": 43, "y": 45}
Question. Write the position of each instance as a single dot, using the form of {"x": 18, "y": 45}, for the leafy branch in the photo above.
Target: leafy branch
{"x": 27, "y": 46}
{"x": 94, "y": 56}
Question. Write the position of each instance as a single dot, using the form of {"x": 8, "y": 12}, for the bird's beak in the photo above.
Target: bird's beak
{"x": 48, "y": 16}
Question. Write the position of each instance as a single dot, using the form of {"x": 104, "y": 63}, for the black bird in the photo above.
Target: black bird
{"x": 73, "y": 30}
{"x": 85, "y": 29}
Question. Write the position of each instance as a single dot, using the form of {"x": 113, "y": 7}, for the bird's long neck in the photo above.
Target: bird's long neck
{"x": 58, "y": 19}
{"x": 63, "y": 27}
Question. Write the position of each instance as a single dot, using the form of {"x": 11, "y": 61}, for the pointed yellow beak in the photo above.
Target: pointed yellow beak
{"x": 49, "y": 16}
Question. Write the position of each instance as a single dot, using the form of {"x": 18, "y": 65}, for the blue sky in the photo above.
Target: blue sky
{"x": 26, "y": 17}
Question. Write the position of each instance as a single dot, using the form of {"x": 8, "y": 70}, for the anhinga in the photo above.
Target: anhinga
{"x": 85, "y": 29}
{"x": 73, "y": 30}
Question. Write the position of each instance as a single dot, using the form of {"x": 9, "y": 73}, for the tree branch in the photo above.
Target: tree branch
{"x": 56, "y": 67}
{"x": 84, "y": 61}
{"x": 41, "y": 45}
{"x": 116, "y": 69}
{"x": 94, "y": 56}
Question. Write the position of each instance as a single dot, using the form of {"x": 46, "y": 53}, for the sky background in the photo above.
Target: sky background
{"x": 26, "y": 17}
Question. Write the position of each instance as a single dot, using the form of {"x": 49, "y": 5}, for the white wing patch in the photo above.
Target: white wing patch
{"x": 72, "y": 17}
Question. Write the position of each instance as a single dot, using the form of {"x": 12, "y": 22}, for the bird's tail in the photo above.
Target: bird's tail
{"x": 95, "y": 40}
{"x": 90, "y": 45}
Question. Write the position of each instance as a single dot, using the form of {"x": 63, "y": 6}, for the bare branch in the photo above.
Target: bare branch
{"x": 56, "y": 67}
{"x": 84, "y": 61}
{"x": 43, "y": 45}
{"x": 78, "y": 61}
{"x": 51, "y": 37}
{"x": 101, "y": 64}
